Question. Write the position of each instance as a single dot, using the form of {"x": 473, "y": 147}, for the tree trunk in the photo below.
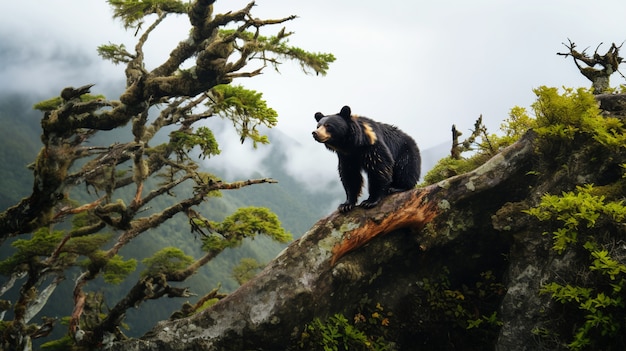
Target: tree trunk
{"x": 311, "y": 278}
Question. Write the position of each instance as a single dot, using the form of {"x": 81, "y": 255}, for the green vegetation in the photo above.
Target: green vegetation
{"x": 365, "y": 332}
{"x": 246, "y": 270}
{"x": 481, "y": 146}
{"x": 560, "y": 119}
{"x": 246, "y": 109}
{"x": 576, "y": 210}
{"x": 166, "y": 261}
{"x": 596, "y": 297}
{"x": 575, "y": 114}
{"x": 586, "y": 223}
{"x": 246, "y": 222}
{"x": 456, "y": 312}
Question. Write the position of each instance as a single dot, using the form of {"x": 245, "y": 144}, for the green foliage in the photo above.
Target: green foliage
{"x": 132, "y": 12}
{"x": 245, "y": 222}
{"x": 115, "y": 53}
{"x": 166, "y": 260}
{"x": 602, "y": 307}
{"x": 516, "y": 125}
{"x": 562, "y": 115}
{"x": 63, "y": 344}
{"x": 40, "y": 245}
{"x": 575, "y": 210}
{"x": 317, "y": 62}
{"x": 246, "y": 109}
{"x": 203, "y": 138}
{"x": 116, "y": 269}
{"x": 598, "y": 298}
{"x": 604, "y": 263}
{"x": 246, "y": 270}
{"x": 338, "y": 333}
{"x": 86, "y": 245}
{"x": 575, "y": 113}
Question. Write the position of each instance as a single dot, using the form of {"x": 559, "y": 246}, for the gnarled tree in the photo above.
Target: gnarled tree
{"x": 599, "y": 77}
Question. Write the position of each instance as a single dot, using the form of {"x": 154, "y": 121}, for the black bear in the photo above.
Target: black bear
{"x": 389, "y": 157}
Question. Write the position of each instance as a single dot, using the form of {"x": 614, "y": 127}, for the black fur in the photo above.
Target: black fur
{"x": 389, "y": 157}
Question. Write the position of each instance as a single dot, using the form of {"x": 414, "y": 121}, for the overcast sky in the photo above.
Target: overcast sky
{"x": 421, "y": 65}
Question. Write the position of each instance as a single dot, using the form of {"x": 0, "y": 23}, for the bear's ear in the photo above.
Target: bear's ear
{"x": 318, "y": 116}
{"x": 345, "y": 112}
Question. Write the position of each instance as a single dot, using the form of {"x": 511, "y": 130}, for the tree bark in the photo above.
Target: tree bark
{"x": 325, "y": 271}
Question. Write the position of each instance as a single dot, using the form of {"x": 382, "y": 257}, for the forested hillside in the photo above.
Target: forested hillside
{"x": 20, "y": 145}
{"x": 296, "y": 208}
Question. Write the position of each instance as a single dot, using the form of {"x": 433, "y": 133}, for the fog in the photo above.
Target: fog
{"x": 422, "y": 66}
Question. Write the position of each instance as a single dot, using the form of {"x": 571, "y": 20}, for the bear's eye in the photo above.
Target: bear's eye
{"x": 328, "y": 127}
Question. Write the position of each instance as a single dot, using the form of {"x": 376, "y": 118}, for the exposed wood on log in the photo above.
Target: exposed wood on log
{"x": 414, "y": 212}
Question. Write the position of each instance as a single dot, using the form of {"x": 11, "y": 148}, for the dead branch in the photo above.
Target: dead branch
{"x": 609, "y": 63}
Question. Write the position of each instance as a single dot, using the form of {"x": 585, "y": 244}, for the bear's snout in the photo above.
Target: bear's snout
{"x": 320, "y": 136}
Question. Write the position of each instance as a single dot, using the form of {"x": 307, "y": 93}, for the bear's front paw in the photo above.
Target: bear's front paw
{"x": 345, "y": 207}
{"x": 369, "y": 203}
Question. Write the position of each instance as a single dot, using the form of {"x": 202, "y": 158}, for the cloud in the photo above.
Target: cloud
{"x": 307, "y": 161}
{"x": 41, "y": 70}
{"x": 312, "y": 164}
{"x": 236, "y": 161}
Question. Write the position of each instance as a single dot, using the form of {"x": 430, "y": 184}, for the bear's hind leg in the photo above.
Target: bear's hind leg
{"x": 406, "y": 171}
{"x": 379, "y": 182}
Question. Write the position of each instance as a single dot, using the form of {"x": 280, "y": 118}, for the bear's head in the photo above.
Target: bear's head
{"x": 333, "y": 130}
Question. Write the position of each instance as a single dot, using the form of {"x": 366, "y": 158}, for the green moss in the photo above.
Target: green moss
{"x": 611, "y": 191}
{"x": 446, "y": 168}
